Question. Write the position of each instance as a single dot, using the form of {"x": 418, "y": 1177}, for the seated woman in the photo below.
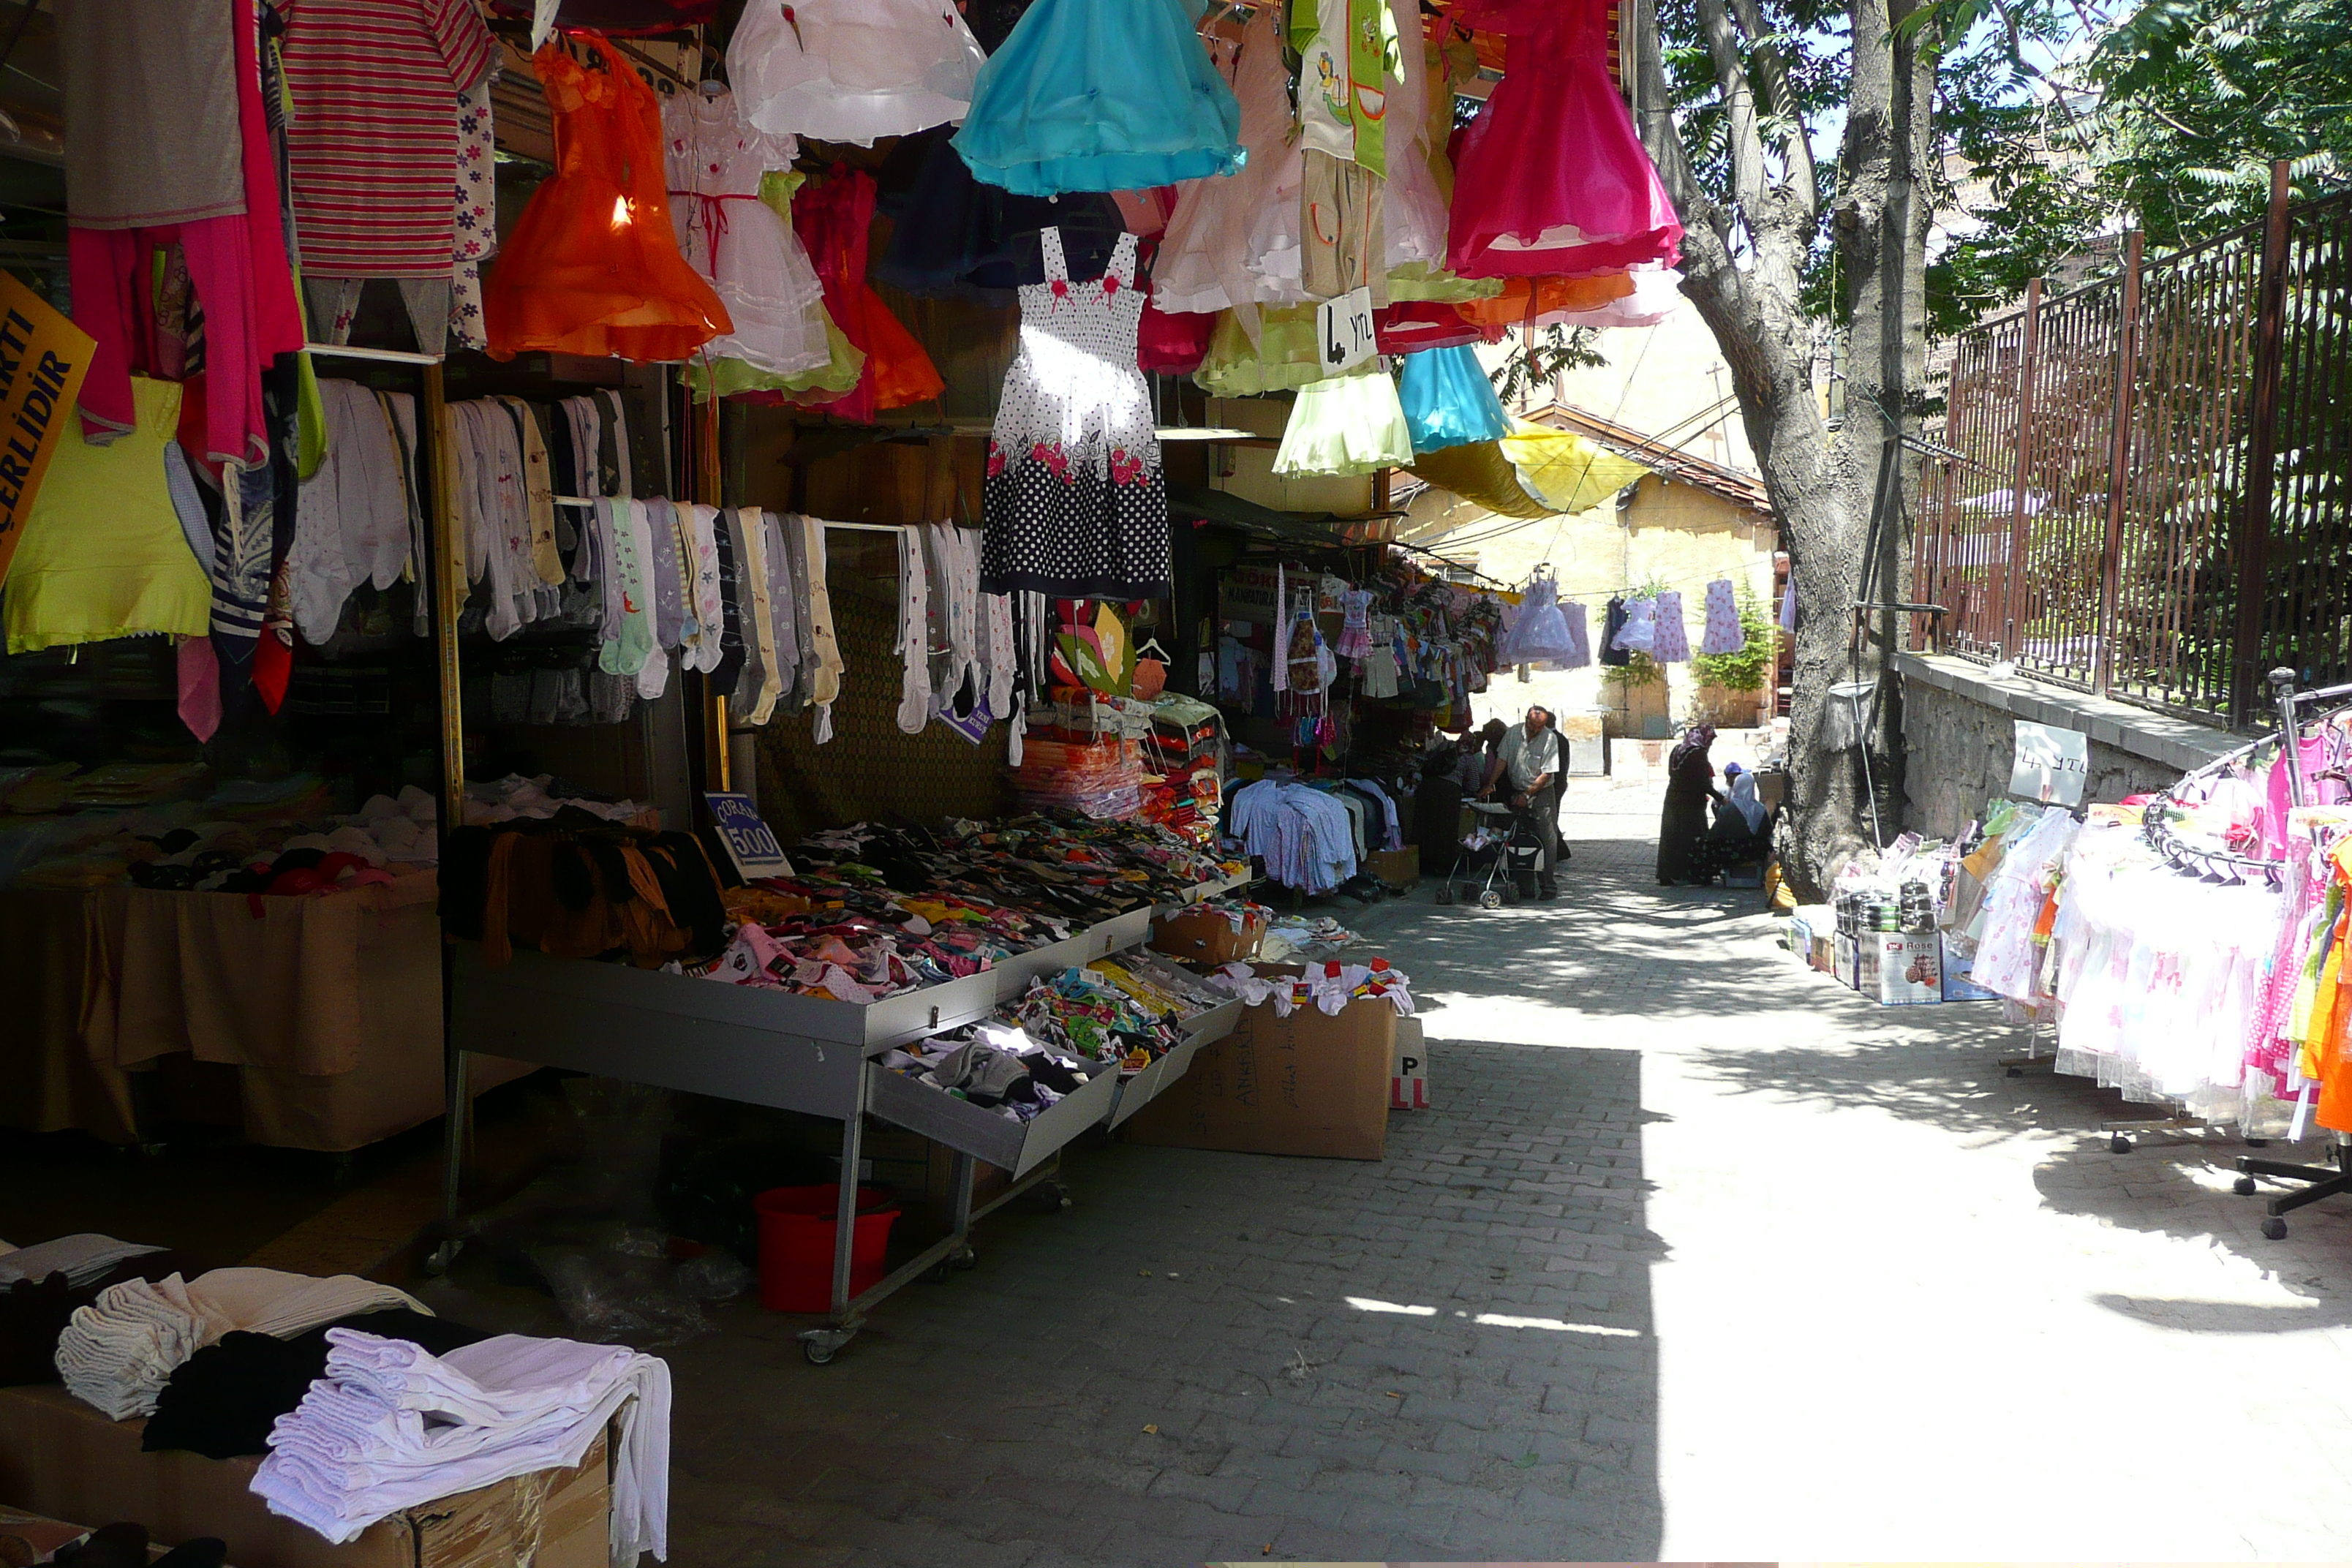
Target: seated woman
{"x": 1741, "y": 836}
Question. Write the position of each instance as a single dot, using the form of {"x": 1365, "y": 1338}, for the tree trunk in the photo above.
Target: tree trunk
{"x": 1743, "y": 263}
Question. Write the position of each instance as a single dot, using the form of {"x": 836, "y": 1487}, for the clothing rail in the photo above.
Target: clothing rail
{"x": 385, "y": 356}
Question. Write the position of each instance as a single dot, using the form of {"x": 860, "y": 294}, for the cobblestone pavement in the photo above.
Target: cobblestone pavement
{"x": 1698, "y": 1257}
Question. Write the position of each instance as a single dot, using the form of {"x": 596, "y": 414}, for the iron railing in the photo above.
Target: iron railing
{"x": 2147, "y": 484}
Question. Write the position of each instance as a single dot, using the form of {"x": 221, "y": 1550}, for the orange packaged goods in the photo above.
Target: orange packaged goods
{"x": 592, "y": 267}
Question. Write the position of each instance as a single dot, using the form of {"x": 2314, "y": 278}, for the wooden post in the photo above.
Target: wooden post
{"x": 2120, "y": 464}
{"x": 2252, "y": 541}
{"x": 446, "y": 564}
{"x": 2014, "y": 616}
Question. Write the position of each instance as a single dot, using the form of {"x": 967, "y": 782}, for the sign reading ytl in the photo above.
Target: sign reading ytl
{"x": 1344, "y": 326}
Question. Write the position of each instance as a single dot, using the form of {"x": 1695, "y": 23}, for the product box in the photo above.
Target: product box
{"x": 1202, "y": 935}
{"x": 1409, "y": 1074}
{"x": 1308, "y": 1084}
{"x": 1899, "y": 969}
{"x": 1846, "y": 959}
{"x": 60, "y": 1458}
{"x": 1394, "y": 867}
{"x": 1958, "y": 984}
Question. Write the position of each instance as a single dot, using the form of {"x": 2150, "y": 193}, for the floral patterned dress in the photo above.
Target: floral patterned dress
{"x": 1076, "y": 506}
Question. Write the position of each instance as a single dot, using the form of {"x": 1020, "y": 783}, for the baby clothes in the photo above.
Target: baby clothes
{"x": 1355, "y": 634}
{"x": 1639, "y": 634}
{"x": 1669, "y": 643}
{"x": 914, "y": 636}
{"x": 1723, "y": 634}
{"x": 1580, "y": 646}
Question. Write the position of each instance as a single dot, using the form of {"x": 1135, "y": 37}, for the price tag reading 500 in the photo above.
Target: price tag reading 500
{"x": 751, "y": 843}
{"x": 1345, "y": 326}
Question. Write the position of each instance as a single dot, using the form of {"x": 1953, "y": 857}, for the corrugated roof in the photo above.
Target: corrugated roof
{"x": 1669, "y": 462}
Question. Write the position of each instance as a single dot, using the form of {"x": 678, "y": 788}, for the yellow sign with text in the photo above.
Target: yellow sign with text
{"x": 43, "y": 357}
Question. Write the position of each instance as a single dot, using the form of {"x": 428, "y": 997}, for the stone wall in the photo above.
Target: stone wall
{"x": 1959, "y": 735}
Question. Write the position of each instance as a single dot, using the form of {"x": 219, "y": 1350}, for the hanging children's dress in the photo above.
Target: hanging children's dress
{"x": 951, "y": 234}
{"x": 1552, "y": 179}
{"x": 1234, "y": 243}
{"x": 1723, "y": 632}
{"x": 1282, "y": 358}
{"x": 1579, "y": 643}
{"x": 1346, "y": 424}
{"x": 1100, "y": 95}
{"x": 1669, "y": 643}
{"x": 1448, "y": 401}
{"x": 853, "y": 70}
{"x": 750, "y": 254}
{"x": 832, "y": 217}
{"x": 1640, "y": 632}
{"x": 1540, "y": 636}
{"x": 592, "y": 267}
{"x": 1075, "y": 501}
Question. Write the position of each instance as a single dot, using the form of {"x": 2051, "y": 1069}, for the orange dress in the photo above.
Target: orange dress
{"x": 593, "y": 267}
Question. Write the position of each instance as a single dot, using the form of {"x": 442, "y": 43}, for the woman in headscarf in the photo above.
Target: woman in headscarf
{"x": 1682, "y": 827}
{"x": 1737, "y": 837}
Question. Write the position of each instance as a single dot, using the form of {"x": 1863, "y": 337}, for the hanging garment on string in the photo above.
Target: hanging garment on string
{"x": 1552, "y": 179}
{"x": 1640, "y": 632}
{"x": 1233, "y": 242}
{"x": 751, "y": 256}
{"x": 1075, "y": 498}
{"x": 853, "y": 70}
{"x": 1580, "y": 644}
{"x": 1448, "y": 401}
{"x": 833, "y": 217}
{"x": 951, "y": 234}
{"x": 593, "y": 266}
{"x": 1100, "y": 95}
{"x": 1613, "y": 627}
{"x": 913, "y": 649}
{"x": 1670, "y": 641}
{"x": 1724, "y": 634}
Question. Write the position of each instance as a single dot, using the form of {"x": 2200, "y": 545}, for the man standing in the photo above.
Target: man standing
{"x": 1529, "y": 755}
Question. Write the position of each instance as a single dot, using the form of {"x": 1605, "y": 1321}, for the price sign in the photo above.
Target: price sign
{"x": 1345, "y": 328}
{"x": 751, "y": 843}
{"x": 2051, "y": 764}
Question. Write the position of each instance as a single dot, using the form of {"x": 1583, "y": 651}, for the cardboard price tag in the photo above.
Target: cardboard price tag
{"x": 751, "y": 842}
{"x": 1344, "y": 328}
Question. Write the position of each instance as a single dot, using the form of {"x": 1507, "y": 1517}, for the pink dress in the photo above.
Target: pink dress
{"x": 1551, "y": 180}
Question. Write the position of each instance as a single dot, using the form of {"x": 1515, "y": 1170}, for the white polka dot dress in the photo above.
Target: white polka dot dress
{"x": 1670, "y": 644}
{"x": 1724, "y": 634}
{"x": 1076, "y": 506}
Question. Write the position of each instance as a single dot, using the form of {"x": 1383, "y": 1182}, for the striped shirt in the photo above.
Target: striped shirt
{"x": 373, "y": 145}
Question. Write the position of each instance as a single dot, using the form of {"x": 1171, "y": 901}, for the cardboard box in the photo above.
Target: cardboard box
{"x": 1959, "y": 984}
{"x": 1899, "y": 969}
{"x": 60, "y": 1458}
{"x": 1395, "y": 868}
{"x": 1309, "y": 1084}
{"x": 1409, "y": 1074}
{"x": 1206, "y": 936}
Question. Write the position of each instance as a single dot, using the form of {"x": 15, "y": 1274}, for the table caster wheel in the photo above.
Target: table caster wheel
{"x": 1445, "y": 897}
{"x": 2244, "y": 1186}
{"x": 1490, "y": 900}
{"x": 2016, "y": 1072}
{"x": 2274, "y": 1228}
{"x": 1050, "y": 1198}
{"x": 963, "y": 1262}
{"x": 821, "y": 1345}
{"x": 937, "y": 1273}
{"x": 2119, "y": 1144}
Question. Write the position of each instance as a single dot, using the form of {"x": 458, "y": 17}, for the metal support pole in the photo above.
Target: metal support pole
{"x": 2254, "y": 517}
{"x": 446, "y": 566}
{"x": 960, "y": 1183}
{"x": 844, "y": 1236}
{"x": 2118, "y": 466}
{"x": 2014, "y": 616}
{"x": 2298, "y": 788}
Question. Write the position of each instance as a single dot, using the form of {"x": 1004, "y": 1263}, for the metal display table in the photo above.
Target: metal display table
{"x": 806, "y": 1054}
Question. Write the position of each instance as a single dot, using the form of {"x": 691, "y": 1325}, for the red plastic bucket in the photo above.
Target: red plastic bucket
{"x": 796, "y": 1231}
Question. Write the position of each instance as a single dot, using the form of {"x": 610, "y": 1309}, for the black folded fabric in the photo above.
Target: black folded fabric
{"x": 223, "y": 1401}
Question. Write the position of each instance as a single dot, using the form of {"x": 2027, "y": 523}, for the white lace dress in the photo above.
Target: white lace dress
{"x": 1075, "y": 502}
{"x": 736, "y": 240}
{"x": 853, "y": 70}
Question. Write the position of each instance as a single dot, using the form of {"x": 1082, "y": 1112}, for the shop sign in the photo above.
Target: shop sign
{"x": 751, "y": 843}
{"x": 1246, "y": 594}
{"x": 2051, "y": 765}
{"x": 43, "y": 358}
{"x": 1344, "y": 328}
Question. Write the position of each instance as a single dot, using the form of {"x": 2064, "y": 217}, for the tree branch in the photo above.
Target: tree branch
{"x": 1748, "y": 187}
{"x": 1700, "y": 212}
{"x": 1798, "y": 148}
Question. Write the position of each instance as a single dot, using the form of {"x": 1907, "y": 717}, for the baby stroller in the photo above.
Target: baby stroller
{"x": 1501, "y": 857}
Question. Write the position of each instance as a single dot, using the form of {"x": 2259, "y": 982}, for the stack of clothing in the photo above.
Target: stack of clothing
{"x": 118, "y": 1353}
{"x": 1100, "y": 779}
{"x": 995, "y": 1065}
{"x": 82, "y": 1259}
{"x": 391, "y": 1426}
{"x": 1327, "y": 987}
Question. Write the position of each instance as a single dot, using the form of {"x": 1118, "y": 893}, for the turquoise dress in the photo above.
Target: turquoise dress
{"x": 1448, "y": 401}
{"x": 1100, "y": 95}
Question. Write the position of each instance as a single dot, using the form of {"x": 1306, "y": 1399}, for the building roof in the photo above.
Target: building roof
{"x": 1668, "y": 462}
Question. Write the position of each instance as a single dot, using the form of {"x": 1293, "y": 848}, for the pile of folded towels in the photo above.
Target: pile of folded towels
{"x": 391, "y": 1426}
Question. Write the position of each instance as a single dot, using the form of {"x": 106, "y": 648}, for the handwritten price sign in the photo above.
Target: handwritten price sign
{"x": 1345, "y": 327}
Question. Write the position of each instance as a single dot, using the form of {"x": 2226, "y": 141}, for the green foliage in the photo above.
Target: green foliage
{"x": 1533, "y": 361}
{"x": 1748, "y": 669}
{"x": 1638, "y": 670}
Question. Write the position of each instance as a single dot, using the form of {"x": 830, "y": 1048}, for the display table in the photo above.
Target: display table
{"x": 327, "y": 1011}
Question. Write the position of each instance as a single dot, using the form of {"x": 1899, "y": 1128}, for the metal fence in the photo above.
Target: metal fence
{"x": 2147, "y": 484}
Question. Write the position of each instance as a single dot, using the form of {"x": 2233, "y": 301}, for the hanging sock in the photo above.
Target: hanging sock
{"x": 914, "y": 639}
{"x": 199, "y": 681}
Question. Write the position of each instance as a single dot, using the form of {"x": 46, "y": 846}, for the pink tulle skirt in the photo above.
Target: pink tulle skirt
{"x": 1551, "y": 180}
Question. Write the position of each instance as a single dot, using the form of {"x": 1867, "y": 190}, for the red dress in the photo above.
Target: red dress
{"x": 593, "y": 267}
{"x": 833, "y": 217}
{"x": 1551, "y": 180}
